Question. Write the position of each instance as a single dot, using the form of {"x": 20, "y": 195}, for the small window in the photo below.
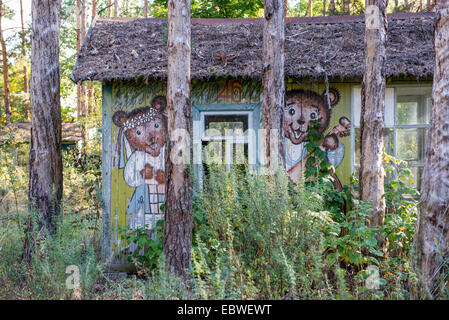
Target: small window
{"x": 407, "y": 111}
{"x": 225, "y": 137}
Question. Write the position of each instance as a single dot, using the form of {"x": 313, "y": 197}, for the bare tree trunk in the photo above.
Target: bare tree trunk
{"x": 309, "y": 10}
{"x": 178, "y": 205}
{"x": 347, "y": 6}
{"x": 45, "y": 185}
{"x": 94, "y": 9}
{"x": 81, "y": 89}
{"x": 432, "y": 232}
{"x": 25, "y": 70}
{"x": 332, "y": 7}
{"x": 90, "y": 92}
{"x": 285, "y": 8}
{"x": 273, "y": 84}
{"x": 109, "y": 8}
{"x": 115, "y": 8}
{"x": 373, "y": 109}
{"x": 324, "y": 7}
{"x": 7, "y": 94}
{"x": 146, "y": 8}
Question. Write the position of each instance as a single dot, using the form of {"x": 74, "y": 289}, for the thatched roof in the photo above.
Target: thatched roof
{"x": 21, "y": 132}
{"x": 127, "y": 49}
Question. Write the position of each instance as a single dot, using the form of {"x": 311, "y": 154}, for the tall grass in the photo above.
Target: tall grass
{"x": 254, "y": 237}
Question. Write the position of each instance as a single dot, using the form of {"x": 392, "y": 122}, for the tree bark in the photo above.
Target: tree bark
{"x": 109, "y": 8}
{"x": 146, "y": 8}
{"x": 310, "y": 8}
{"x": 81, "y": 89}
{"x": 432, "y": 232}
{"x": 178, "y": 206}
{"x": 80, "y": 34}
{"x": 90, "y": 92}
{"x": 6, "y": 93}
{"x": 373, "y": 109}
{"x": 324, "y": 7}
{"x": 274, "y": 83}
{"x": 45, "y": 184}
{"x": 332, "y": 7}
{"x": 347, "y": 6}
{"x": 115, "y": 8}
{"x": 25, "y": 69}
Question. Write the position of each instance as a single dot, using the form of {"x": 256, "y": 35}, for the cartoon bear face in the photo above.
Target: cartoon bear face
{"x": 146, "y": 128}
{"x": 303, "y": 106}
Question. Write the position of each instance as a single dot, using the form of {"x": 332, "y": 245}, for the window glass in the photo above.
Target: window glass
{"x": 222, "y": 123}
{"x": 410, "y": 144}
{"x": 411, "y": 110}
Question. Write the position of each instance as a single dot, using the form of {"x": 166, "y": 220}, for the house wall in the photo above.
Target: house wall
{"x": 125, "y": 97}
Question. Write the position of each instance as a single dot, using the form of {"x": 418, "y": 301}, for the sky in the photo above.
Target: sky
{"x": 12, "y": 26}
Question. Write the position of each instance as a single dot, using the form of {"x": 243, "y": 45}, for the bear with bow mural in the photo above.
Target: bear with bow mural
{"x": 140, "y": 150}
{"x": 302, "y": 107}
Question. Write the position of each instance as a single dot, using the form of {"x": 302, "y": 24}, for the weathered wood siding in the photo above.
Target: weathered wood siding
{"x": 129, "y": 96}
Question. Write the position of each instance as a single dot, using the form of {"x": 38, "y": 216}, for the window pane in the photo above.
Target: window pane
{"x": 388, "y": 143}
{"x": 222, "y": 123}
{"x": 412, "y": 110}
{"x": 389, "y": 106}
{"x": 410, "y": 144}
{"x": 215, "y": 154}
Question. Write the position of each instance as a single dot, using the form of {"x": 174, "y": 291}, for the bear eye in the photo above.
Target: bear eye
{"x": 291, "y": 112}
{"x": 138, "y": 132}
{"x": 313, "y": 115}
{"x": 156, "y": 125}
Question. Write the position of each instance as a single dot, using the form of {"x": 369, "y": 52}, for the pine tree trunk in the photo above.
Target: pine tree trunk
{"x": 178, "y": 205}
{"x": 25, "y": 70}
{"x": 310, "y": 8}
{"x": 81, "y": 89}
{"x": 90, "y": 92}
{"x": 6, "y": 91}
{"x": 146, "y": 8}
{"x": 45, "y": 184}
{"x": 347, "y": 6}
{"x": 274, "y": 84}
{"x": 332, "y": 7}
{"x": 373, "y": 109}
{"x": 324, "y": 7}
{"x": 432, "y": 232}
{"x": 109, "y": 8}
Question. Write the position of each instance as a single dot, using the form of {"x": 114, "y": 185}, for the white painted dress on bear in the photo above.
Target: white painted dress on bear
{"x": 149, "y": 194}
{"x": 295, "y": 153}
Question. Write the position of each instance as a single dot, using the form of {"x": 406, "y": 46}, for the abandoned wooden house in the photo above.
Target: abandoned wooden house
{"x": 129, "y": 57}
{"x": 19, "y": 133}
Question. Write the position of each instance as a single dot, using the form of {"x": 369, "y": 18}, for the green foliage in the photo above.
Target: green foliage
{"x": 318, "y": 171}
{"x": 145, "y": 246}
{"x": 215, "y": 8}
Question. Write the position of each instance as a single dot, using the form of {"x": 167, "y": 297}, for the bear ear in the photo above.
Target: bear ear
{"x": 334, "y": 96}
{"x": 159, "y": 102}
{"x": 119, "y": 118}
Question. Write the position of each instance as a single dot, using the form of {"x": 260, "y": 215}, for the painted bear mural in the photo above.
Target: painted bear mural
{"x": 303, "y": 106}
{"x": 143, "y": 135}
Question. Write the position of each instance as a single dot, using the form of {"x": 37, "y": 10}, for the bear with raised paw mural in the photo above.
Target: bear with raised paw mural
{"x": 303, "y": 106}
{"x": 143, "y": 135}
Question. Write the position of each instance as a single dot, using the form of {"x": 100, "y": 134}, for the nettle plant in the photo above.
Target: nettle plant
{"x": 401, "y": 200}
{"x": 147, "y": 245}
{"x": 319, "y": 171}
